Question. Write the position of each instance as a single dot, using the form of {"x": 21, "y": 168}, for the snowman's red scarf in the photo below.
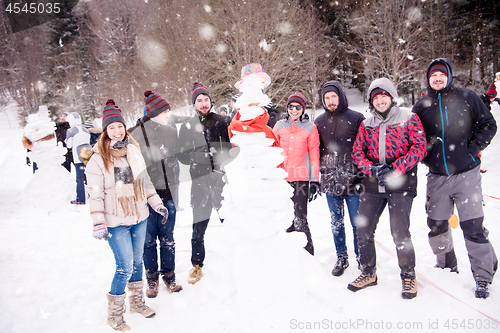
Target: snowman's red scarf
{"x": 257, "y": 124}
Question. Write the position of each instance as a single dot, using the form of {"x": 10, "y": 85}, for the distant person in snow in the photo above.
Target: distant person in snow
{"x": 120, "y": 191}
{"x": 338, "y": 127}
{"x": 300, "y": 142}
{"x": 62, "y": 127}
{"x": 157, "y": 137}
{"x": 223, "y": 110}
{"x": 204, "y": 146}
{"x": 388, "y": 147}
{"x": 458, "y": 127}
{"x": 77, "y": 137}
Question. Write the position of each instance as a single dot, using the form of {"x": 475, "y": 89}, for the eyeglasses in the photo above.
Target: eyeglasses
{"x": 297, "y": 107}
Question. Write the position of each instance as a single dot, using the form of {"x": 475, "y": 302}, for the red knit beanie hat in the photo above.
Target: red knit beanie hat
{"x": 492, "y": 91}
{"x": 297, "y": 97}
{"x": 378, "y": 91}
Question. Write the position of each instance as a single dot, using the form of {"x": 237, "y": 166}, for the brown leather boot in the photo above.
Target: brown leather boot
{"x": 195, "y": 274}
{"x": 152, "y": 290}
{"x": 169, "y": 279}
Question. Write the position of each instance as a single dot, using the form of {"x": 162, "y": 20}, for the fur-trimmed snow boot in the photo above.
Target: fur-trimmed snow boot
{"x": 116, "y": 309}
{"x": 136, "y": 299}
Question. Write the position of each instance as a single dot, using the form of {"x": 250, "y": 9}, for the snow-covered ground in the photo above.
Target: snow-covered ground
{"x": 54, "y": 276}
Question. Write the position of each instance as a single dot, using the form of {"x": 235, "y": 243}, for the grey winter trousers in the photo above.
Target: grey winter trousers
{"x": 371, "y": 206}
{"x": 463, "y": 191}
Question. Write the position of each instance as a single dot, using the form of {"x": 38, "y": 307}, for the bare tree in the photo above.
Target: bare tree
{"x": 212, "y": 43}
{"x": 391, "y": 38}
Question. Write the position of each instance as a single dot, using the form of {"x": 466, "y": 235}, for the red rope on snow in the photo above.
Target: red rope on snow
{"x": 489, "y": 196}
{"x": 435, "y": 285}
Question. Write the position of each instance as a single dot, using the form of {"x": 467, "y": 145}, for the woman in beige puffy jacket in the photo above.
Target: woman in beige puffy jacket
{"x": 120, "y": 190}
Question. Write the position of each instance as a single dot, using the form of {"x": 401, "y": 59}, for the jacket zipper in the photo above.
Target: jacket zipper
{"x": 443, "y": 128}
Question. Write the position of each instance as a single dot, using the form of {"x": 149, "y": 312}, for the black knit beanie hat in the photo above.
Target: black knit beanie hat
{"x": 198, "y": 89}
{"x": 441, "y": 67}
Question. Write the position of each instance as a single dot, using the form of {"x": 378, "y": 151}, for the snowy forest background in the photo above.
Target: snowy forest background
{"x": 95, "y": 50}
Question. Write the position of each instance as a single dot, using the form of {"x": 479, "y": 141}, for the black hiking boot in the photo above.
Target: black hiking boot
{"x": 340, "y": 266}
{"x": 482, "y": 289}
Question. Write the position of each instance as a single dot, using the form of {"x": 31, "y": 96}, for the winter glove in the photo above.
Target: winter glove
{"x": 313, "y": 190}
{"x": 163, "y": 211}
{"x": 381, "y": 172}
{"x": 100, "y": 231}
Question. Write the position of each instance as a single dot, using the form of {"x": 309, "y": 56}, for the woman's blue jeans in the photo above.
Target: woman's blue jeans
{"x": 127, "y": 244}
{"x": 336, "y": 206}
{"x": 165, "y": 234}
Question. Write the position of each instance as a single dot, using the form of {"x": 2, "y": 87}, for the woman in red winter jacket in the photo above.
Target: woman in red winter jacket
{"x": 299, "y": 139}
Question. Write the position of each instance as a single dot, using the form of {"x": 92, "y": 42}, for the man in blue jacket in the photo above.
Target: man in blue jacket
{"x": 458, "y": 127}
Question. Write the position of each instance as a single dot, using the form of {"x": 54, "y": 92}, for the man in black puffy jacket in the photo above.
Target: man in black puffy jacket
{"x": 204, "y": 146}
{"x": 458, "y": 127}
{"x": 338, "y": 127}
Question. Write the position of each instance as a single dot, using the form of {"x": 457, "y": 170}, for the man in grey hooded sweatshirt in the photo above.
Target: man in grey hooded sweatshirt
{"x": 387, "y": 150}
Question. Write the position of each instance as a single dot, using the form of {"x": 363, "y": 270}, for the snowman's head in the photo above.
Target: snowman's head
{"x": 253, "y": 74}
{"x": 74, "y": 119}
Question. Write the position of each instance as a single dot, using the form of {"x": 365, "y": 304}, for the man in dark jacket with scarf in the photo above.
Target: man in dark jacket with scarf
{"x": 458, "y": 127}
{"x": 204, "y": 146}
{"x": 338, "y": 127}
{"x": 157, "y": 137}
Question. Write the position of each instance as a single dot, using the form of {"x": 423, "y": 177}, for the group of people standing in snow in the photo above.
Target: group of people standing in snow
{"x": 133, "y": 178}
{"x": 372, "y": 163}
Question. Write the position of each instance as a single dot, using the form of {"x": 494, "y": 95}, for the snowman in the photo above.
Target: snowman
{"x": 254, "y": 182}
{"x": 51, "y": 183}
{"x": 263, "y": 269}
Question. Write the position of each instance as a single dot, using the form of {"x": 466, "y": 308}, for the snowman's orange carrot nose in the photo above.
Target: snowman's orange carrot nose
{"x": 253, "y": 104}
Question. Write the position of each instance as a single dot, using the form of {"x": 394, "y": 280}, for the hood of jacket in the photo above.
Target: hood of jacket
{"x": 343, "y": 104}
{"x": 383, "y": 83}
{"x": 387, "y": 85}
{"x": 447, "y": 63}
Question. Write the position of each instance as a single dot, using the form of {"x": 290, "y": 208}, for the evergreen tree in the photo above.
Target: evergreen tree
{"x": 61, "y": 72}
